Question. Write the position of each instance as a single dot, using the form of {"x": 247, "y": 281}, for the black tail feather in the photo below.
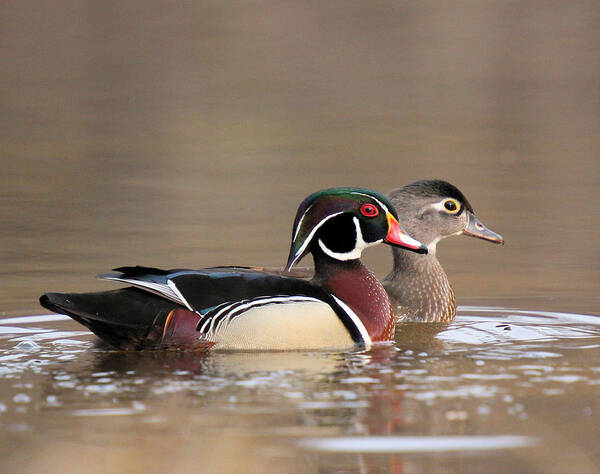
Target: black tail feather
{"x": 127, "y": 318}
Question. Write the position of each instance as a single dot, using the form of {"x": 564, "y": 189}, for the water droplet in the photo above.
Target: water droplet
{"x": 138, "y": 406}
{"x": 27, "y": 346}
{"x": 52, "y": 401}
{"x": 21, "y": 398}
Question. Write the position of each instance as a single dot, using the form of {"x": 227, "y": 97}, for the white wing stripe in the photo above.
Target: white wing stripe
{"x": 159, "y": 289}
{"x": 175, "y": 290}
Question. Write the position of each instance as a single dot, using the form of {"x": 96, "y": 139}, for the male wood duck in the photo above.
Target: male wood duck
{"x": 242, "y": 309}
{"x": 430, "y": 210}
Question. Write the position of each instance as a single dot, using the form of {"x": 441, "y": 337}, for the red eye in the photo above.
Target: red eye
{"x": 369, "y": 210}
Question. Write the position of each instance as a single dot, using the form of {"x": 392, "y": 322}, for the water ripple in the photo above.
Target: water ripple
{"x": 415, "y": 444}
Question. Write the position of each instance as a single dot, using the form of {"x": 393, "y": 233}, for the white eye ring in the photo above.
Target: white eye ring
{"x": 441, "y": 206}
{"x": 452, "y": 206}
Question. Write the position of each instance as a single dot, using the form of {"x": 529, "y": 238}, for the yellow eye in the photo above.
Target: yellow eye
{"x": 452, "y": 206}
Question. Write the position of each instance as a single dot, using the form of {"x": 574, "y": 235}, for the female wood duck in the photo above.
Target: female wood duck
{"x": 240, "y": 308}
{"x": 430, "y": 211}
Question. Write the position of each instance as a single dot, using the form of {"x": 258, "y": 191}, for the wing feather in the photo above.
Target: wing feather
{"x": 199, "y": 290}
{"x": 160, "y": 288}
{"x": 271, "y": 309}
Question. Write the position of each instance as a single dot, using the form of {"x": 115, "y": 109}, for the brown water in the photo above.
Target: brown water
{"x": 186, "y": 133}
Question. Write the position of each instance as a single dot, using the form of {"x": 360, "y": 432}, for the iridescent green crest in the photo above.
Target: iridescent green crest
{"x": 320, "y": 206}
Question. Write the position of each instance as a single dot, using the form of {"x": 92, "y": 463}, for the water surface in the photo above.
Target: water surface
{"x": 496, "y": 391}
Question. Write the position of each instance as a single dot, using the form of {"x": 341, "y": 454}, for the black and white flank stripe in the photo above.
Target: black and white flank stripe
{"x": 225, "y": 313}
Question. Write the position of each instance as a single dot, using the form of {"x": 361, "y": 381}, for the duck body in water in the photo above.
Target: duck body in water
{"x": 231, "y": 308}
{"x": 418, "y": 286}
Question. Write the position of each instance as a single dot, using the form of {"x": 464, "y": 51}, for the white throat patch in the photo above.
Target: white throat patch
{"x": 356, "y": 252}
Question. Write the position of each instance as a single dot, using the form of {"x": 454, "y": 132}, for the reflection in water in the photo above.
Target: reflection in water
{"x": 416, "y": 444}
{"x": 430, "y": 395}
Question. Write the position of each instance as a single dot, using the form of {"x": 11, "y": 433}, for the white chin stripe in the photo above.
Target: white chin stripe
{"x": 431, "y": 248}
{"x": 352, "y": 255}
{"x": 356, "y": 252}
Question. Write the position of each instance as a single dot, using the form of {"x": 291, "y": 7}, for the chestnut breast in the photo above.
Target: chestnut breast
{"x": 360, "y": 289}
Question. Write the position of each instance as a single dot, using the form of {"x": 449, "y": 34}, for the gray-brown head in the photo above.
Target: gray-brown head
{"x": 431, "y": 210}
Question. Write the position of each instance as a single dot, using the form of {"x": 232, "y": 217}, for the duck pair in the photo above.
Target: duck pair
{"x": 342, "y": 306}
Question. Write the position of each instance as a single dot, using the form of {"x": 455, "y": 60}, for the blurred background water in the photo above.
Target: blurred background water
{"x": 186, "y": 133}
